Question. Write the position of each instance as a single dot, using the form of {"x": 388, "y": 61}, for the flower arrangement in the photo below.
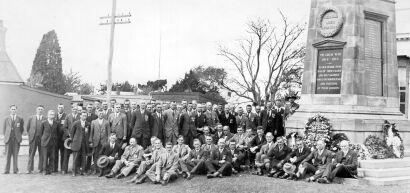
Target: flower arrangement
{"x": 335, "y": 141}
{"x": 317, "y": 127}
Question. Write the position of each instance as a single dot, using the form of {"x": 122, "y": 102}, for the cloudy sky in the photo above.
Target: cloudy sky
{"x": 191, "y": 31}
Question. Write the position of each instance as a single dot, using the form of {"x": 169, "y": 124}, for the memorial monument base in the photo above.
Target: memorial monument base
{"x": 357, "y": 122}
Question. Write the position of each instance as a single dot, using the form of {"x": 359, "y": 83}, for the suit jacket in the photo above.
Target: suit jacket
{"x": 133, "y": 154}
{"x": 60, "y": 121}
{"x": 107, "y": 113}
{"x": 68, "y": 125}
{"x": 216, "y": 155}
{"x": 49, "y": 133}
{"x": 263, "y": 119}
{"x": 241, "y": 121}
{"x": 319, "y": 159}
{"x": 142, "y": 123}
{"x": 217, "y": 137}
{"x": 171, "y": 123}
{"x": 156, "y": 155}
{"x": 118, "y": 124}
{"x": 349, "y": 160}
{"x": 79, "y": 135}
{"x": 33, "y": 127}
{"x": 187, "y": 125}
{"x": 200, "y": 120}
{"x": 275, "y": 153}
{"x": 99, "y": 133}
{"x": 91, "y": 117}
{"x": 208, "y": 150}
{"x": 108, "y": 151}
{"x": 228, "y": 121}
{"x": 251, "y": 121}
{"x": 257, "y": 142}
{"x": 181, "y": 151}
{"x": 129, "y": 114}
{"x": 167, "y": 163}
{"x": 157, "y": 126}
{"x": 265, "y": 149}
{"x": 203, "y": 140}
{"x": 17, "y": 126}
{"x": 300, "y": 156}
{"x": 228, "y": 137}
{"x": 278, "y": 125}
{"x": 211, "y": 118}
{"x": 197, "y": 155}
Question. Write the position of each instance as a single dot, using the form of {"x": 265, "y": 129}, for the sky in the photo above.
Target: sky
{"x": 190, "y": 31}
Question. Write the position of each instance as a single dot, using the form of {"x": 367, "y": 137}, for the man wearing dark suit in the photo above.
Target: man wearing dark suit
{"x": 219, "y": 133}
{"x": 268, "y": 122}
{"x": 227, "y": 136}
{"x": 296, "y": 157}
{"x": 49, "y": 131}
{"x": 195, "y": 163}
{"x": 13, "y": 127}
{"x": 345, "y": 166}
{"x": 264, "y": 116}
{"x": 238, "y": 157}
{"x": 100, "y": 132}
{"x": 142, "y": 124}
{"x": 259, "y": 116}
{"x": 187, "y": 127}
{"x": 112, "y": 151}
{"x": 200, "y": 120}
{"x": 68, "y": 125}
{"x": 251, "y": 118}
{"x": 228, "y": 119}
{"x": 90, "y": 115}
{"x": 256, "y": 144}
{"x": 211, "y": 116}
{"x": 278, "y": 123}
{"x": 79, "y": 144}
{"x": 34, "y": 136}
{"x": 277, "y": 156}
{"x": 220, "y": 161}
{"x": 208, "y": 146}
{"x": 158, "y": 123}
{"x": 128, "y": 113}
{"x": 60, "y": 119}
{"x": 316, "y": 162}
{"x": 118, "y": 123}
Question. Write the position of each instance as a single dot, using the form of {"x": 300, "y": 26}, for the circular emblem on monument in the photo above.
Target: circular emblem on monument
{"x": 330, "y": 22}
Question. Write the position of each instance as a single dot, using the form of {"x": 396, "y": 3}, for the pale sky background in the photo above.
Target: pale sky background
{"x": 191, "y": 33}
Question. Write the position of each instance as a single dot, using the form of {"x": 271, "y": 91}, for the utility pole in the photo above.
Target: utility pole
{"x": 112, "y": 20}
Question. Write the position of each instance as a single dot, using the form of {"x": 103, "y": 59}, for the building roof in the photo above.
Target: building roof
{"x": 8, "y": 72}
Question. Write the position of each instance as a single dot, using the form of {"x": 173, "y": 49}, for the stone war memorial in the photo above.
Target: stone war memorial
{"x": 351, "y": 75}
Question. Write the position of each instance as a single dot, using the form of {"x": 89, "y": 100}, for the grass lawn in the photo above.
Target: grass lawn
{"x": 240, "y": 183}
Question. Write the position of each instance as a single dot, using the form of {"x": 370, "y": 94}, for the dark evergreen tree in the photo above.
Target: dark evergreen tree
{"x": 47, "y": 72}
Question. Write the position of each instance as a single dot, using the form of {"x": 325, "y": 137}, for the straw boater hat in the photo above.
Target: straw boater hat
{"x": 67, "y": 143}
{"x": 289, "y": 168}
{"x": 103, "y": 161}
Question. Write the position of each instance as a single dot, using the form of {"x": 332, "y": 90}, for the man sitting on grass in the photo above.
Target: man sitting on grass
{"x": 316, "y": 162}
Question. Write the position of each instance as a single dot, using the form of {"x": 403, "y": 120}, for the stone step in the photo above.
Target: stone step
{"x": 346, "y": 181}
{"x": 406, "y": 153}
{"x": 385, "y": 163}
{"x": 386, "y": 181}
{"x": 383, "y": 173}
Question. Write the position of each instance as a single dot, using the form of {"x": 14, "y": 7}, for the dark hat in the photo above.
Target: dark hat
{"x": 289, "y": 168}
{"x": 67, "y": 143}
{"x": 103, "y": 161}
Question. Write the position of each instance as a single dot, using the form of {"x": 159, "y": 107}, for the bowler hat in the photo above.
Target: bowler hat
{"x": 103, "y": 161}
{"x": 67, "y": 143}
{"x": 289, "y": 168}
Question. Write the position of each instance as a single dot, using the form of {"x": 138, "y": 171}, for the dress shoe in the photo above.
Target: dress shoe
{"x": 276, "y": 175}
{"x": 100, "y": 174}
{"x": 119, "y": 176}
{"x": 209, "y": 176}
{"x": 6, "y": 172}
{"x": 189, "y": 177}
{"x": 234, "y": 171}
{"x": 164, "y": 182}
{"x": 110, "y": 175}
{"x": 323, "y": 181}
{"x": 16, "y": 172}
{"x": 284, "y": 176}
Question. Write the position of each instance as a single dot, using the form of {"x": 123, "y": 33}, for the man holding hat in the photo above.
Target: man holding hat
{"x": 294, "y": 159}
{"x": 108, "y": 155}
{"x": 100, "y": 130}
{"x": 79, "y": 143}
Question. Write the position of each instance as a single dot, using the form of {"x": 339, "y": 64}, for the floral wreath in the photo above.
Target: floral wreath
{"x": 318, "y": 127}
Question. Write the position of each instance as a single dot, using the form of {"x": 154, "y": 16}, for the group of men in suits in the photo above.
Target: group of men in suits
{"x": 199, "y": 140}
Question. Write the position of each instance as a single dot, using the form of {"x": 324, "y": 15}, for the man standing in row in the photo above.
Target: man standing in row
{"x": 48, "y": 132}
{"x": 60, "y": 120}
{"x": 171, "y": 124}
{"x": 79, "y": 144}
{"x": 142, "y": 122}
{"x": 13, "y": 128}
{"x": 68, "y": 125}
{"x": 34, "y": 136}
{"x": 118, "y": 123}
{"x": 99, "y": 135}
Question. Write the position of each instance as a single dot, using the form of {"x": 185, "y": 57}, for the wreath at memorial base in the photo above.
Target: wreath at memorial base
{"x": 317, "y": 127}
{"x": 393, "y": 139}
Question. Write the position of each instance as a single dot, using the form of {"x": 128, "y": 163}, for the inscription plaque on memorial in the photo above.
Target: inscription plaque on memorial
{"x": 373, "y": 57}
{"x": 329, "y": 71}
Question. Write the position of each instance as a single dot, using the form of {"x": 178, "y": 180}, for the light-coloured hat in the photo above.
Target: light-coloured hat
{"x": 103, "y": 161}
{"x": 289, "y": 168}
{"x": 67, "y": 143}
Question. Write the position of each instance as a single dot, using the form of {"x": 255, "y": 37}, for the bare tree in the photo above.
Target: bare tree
{"x": 264, "y": 60}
